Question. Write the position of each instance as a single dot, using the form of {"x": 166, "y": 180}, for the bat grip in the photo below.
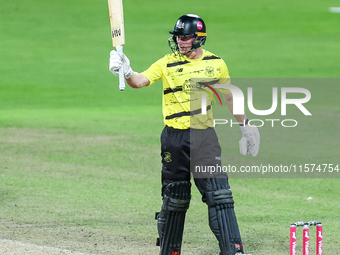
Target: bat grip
{"x": 121, "y": 70}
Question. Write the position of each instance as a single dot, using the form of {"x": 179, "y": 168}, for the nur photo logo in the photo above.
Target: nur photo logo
{"x": 239, "y": 103}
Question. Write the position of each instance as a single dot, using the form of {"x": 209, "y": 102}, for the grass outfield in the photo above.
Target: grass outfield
{"x": 79, "y": 160}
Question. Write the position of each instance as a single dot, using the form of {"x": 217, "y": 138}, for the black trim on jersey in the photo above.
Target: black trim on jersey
{"x": 170, "y": 90}
{"x": 182, "y": 114}
{"x": 211, "y": 57}
{"x": 213, "y": 82}
{"x": 177, "y": 63}
{"x": 186, "y": 61}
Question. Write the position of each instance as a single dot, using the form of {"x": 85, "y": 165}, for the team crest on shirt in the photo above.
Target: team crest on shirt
{"x": 209, "y": 71}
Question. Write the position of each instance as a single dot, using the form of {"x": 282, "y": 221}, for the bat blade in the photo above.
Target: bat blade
{"x": 117, "y": 22}
{"x": 117, "y": 32}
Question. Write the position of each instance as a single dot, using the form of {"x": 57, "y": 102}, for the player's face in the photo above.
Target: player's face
{"x": 185, "y": 43}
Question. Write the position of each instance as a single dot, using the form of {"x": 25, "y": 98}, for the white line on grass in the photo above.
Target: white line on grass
{"x": 334, "y": 9}
{"x": 9, "y": 247}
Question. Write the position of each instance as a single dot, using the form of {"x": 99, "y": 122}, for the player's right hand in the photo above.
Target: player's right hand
{"x": 117, "y": 62}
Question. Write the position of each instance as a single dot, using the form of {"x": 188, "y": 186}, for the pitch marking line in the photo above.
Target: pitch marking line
{"x": 334, "y": 9}
{"x": 10, "y": 247}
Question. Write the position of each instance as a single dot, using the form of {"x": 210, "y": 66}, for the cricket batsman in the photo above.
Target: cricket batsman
{"x": 188, "y": 138}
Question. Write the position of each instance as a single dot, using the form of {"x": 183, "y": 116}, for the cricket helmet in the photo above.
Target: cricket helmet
{"x": 188, "y": 25}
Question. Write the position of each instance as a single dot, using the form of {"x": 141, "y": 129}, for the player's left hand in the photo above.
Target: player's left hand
{"x": 250, "y": 141}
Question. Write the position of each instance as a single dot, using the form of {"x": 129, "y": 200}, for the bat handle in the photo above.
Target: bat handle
{"x": 121, "y": 70}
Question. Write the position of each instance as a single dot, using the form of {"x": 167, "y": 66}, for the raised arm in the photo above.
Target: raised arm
{"x": 137, "y": 80}
{"x": 134, "y": 79}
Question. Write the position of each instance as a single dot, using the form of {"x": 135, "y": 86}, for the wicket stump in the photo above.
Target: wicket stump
{"x": 305, "y": 238}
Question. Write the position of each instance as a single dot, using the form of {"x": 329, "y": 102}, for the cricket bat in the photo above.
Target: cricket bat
{"x": 118, "y": 33}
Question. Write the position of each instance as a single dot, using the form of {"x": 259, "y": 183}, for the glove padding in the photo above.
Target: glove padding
{"x": 250, "y": 141}
{"x": 117, "y": 62}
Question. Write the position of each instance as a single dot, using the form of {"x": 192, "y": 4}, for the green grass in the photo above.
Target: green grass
{"x": 79, "y": 160}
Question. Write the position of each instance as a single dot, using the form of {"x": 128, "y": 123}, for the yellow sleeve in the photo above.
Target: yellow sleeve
{"x": 155, "y": 71}
{"x": 224, "y": 78}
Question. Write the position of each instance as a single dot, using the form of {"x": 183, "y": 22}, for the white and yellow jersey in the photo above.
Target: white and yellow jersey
{"x": 181, "y": 91}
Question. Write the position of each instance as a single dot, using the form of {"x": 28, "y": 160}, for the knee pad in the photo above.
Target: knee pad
{"x": 222, "y": 219}
{"x": 176, "y": 200}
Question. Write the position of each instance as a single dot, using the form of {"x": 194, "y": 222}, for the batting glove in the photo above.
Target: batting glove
{"x": 250, "y": 141}
{"x": 117, "y": 62}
